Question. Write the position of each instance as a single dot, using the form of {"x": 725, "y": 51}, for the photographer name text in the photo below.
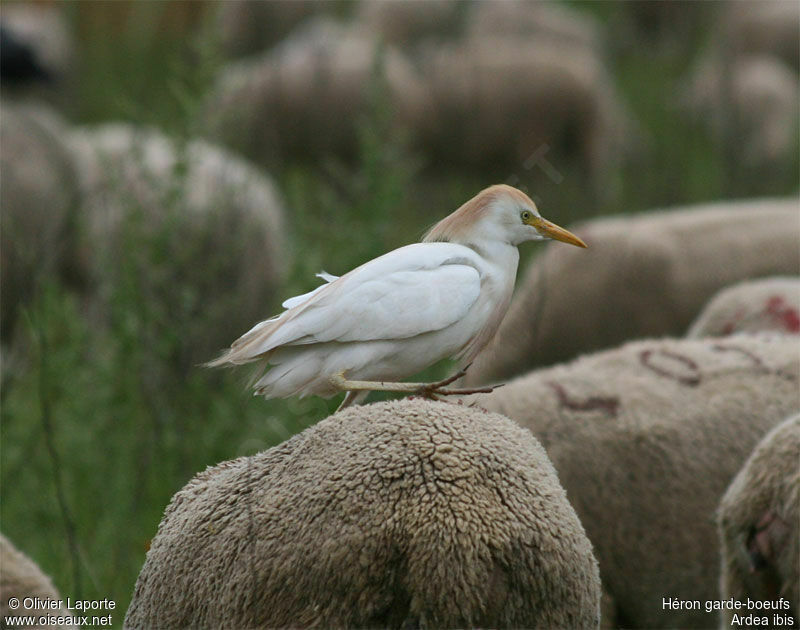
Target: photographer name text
{"x": 37, "y": 603}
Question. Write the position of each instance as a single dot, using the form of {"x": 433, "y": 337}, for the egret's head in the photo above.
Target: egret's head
{"x": 499, "y": 213}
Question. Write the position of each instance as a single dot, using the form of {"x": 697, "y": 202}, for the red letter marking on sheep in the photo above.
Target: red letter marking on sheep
{"x": 733, "y": 322}
{"x": 788, "y": 317}
{"x": 608, "y": 404}
{"x": 692, "y": 378}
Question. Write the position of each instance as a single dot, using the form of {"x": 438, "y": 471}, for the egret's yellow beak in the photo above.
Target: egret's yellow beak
{"x": 551, "y": 230}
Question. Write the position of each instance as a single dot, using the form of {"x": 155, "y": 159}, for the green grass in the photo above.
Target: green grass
{"x": 99, "y": 429}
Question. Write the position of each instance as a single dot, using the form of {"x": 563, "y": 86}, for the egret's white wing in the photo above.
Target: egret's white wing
{"x": 409, "y": 291}
{"x": 396, "y": 306}
{"x": 299, "y": 299}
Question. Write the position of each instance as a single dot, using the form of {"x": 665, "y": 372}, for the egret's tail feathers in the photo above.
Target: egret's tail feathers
{"x": 259, "y": 342}
{"x": 219, "y": 361}
{"x": 250, "y": 347}
{"x": 240, "y": 356}
{"x": 229, "y": 358}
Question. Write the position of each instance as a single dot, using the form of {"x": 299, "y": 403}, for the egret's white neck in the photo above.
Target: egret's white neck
{"x": 498, "y": 253}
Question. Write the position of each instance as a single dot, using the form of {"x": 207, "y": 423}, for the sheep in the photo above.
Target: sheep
{"x": 641, "y": 276}
{"x": 750, "y": 104}
{"x": 645, "y": 438}
{"x": 744, "y": 88}
{"x": 520, "y": 98}
{"x": 771, "y": 304}
{"x": 20, "y": 578}
{"x": 38, "y": 197}
{"x": 281, "y": 103}
{"x": 216, "y": 221}
{"x": 498, "y": 87}
{"x": 758, "y": 526}
{"x": 406, "y": 513}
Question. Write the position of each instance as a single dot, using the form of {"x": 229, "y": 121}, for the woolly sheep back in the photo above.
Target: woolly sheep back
{"x": 407, "y": 512}
{"x": 771, "y": 304}
{"x": 645, "y": 439}
{"x": 20, "y": 577}
{"x": 646, "y": 275}
{"x": 758, "y": 524}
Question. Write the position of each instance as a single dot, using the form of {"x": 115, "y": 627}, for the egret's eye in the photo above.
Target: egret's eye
{"x": 525, "y": 215}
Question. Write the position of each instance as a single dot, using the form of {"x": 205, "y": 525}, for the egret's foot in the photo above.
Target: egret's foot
{"x": 435, "y": 390}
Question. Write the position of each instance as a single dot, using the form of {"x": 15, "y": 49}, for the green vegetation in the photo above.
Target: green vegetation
{"x": 99, "y": 429}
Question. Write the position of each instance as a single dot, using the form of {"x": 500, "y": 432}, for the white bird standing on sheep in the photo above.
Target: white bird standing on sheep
{"x": 401, "y": 312}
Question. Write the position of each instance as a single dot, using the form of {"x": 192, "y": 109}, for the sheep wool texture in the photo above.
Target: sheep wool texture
{"x": 21, "y": 578}
{"x": 645, "y": 439}
{"x": 402, "y": 514}
{"x": 771, "y": 304}
{"x": 758, "y": 525}
{"x": 642, "y": 276}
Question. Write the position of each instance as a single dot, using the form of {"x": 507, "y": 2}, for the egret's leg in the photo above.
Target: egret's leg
{"x": 428, "y": 390}
{"x": 352, "y": 397}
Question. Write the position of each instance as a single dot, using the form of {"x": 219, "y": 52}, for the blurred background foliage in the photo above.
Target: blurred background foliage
{"x": 101, "y": 425}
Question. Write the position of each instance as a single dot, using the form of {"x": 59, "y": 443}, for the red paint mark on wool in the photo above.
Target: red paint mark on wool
{"x": 728, "y": 328}
{"x": 672, "y": 365}
{"x": 731, "y": 325}
{"x": 789, "y": 317}
{"x": 607, "y": 404}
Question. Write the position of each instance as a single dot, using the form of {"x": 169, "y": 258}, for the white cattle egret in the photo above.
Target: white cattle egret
{"x": 401, "y": 312}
